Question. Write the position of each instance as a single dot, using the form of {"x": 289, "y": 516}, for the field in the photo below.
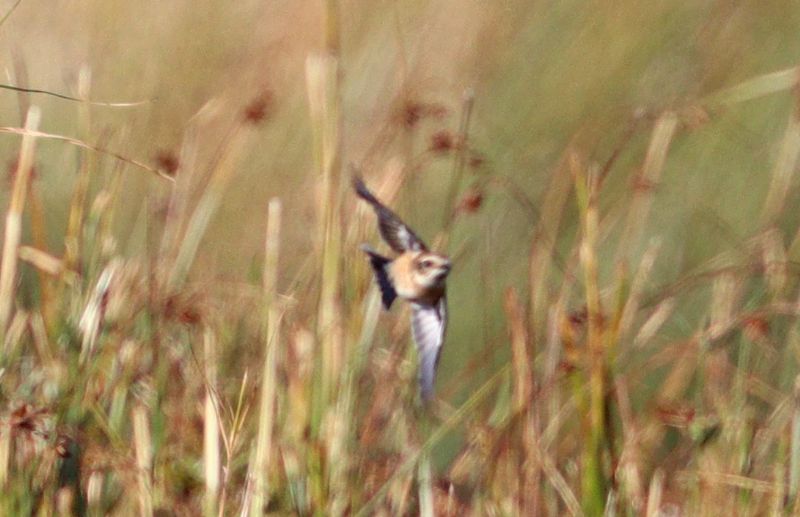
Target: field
{"x": 188, "y": 325}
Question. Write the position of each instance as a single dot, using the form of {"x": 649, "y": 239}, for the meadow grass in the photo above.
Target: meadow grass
{"x": 189, "y": 328}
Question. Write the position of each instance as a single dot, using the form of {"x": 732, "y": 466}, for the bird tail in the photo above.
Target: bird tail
{"x": 379, "y": 263}
{"x": 364, "y": 193}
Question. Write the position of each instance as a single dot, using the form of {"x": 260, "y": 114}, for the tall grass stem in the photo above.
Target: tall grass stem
{"x": 269, "y": 388}
{"x": 13, "y": 230}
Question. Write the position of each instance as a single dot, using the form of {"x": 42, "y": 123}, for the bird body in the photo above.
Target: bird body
{"x": 416, "y": 275}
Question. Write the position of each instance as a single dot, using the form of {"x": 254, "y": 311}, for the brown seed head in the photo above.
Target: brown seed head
{"x": 412, "y": 112}
{"x": 476, "y": 160}
{"x": 259, "y": 108}
{"x": 185, "y": 308}
{"x": 167, "y": 161}
{"x": 471, "y": 201}
{"x": 756, "y": 328}
{"x": 442, "y": 142}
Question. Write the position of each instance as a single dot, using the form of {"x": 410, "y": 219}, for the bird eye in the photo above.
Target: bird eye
{"x": 427, "y": 263}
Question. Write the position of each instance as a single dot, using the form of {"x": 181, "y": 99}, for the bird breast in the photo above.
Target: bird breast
{"x": 402, "y": 273}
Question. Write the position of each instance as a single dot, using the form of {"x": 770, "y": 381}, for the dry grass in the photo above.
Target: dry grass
{"x": 617, "y": 189}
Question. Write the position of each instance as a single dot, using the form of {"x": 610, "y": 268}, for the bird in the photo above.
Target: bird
{"x": 416, "y": 275}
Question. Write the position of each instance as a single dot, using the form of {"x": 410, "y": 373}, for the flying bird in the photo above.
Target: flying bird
{"x": 416, "y": 275}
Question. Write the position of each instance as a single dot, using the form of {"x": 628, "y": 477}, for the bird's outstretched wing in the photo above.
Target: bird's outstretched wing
{"x": 394, "y": 231}
{"x": 428, "y": 324}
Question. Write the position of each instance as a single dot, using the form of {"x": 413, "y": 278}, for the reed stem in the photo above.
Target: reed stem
{"x": 144, "y": 460}
{"x": 269, "y": 386}
{"x": 13, "y": 233}
{"x": 211, "y": 428}
{"x": 322, "y": 72}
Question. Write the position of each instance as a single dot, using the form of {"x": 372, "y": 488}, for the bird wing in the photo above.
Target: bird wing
{"x": 379, "y": 266}
{"x": 428, "y": 325}
{"x": 393, "y": 230}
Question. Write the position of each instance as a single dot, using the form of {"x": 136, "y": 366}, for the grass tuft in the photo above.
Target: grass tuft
{"x": 206, "y": 338}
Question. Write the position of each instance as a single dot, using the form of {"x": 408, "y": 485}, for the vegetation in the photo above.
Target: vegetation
{"x": 188, "y": 326}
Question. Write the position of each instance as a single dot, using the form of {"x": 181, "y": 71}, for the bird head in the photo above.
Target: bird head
{"x": 430, "y": 269}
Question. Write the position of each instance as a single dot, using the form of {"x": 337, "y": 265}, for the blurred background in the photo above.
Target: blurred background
{"x": 482, "y": 110}
{"x": 544, "y": 75}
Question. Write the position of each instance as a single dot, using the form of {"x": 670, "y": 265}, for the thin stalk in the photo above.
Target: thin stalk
{"x": 39, "y": 238}
{"x": 652, "y": 168}
{"x": 322, "y": 72}
{"x": 83, "y": 145}
{"x": 15, "y": 88}
{"x": 594, "y": 480}
{"x": 794, "y": 456}
{"x": 13, "y": 233}
{"x": 6, "y": 450}
{"x": 144, "y": 460}
{"x": 77, "y": 206}
{"x": 177, "y": 209}
{"x": 207, "y": 206}
{"x": 211, "y": 428}
{"x": 21, "y": 77}
{"x": 459, "y": 160}
{"x": 521, "y": 359}
{"x": 785, "y": 167}
{"x": 94, "y": 493}
{"x": 425, "y": 482}
{"x": 780, "y": 499}
{"x": 269, "y": 387}
{"x": 37, "y": 210}
{"x": 754, "y": 88}
{"x": 654, "y": 494}
{"x": 542, "y": 248}
{"x": 105, "y": 233}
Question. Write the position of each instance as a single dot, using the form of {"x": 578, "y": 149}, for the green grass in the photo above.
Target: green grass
{"x": 616, "y": 185}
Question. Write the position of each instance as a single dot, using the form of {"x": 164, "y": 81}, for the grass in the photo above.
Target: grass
{"x": 189, "y": 327}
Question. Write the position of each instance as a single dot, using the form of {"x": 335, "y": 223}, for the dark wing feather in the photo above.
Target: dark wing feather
{"x": 428, "y": 324}
{"x": 393, "y": 230}
{"x": 379, "y": 264}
